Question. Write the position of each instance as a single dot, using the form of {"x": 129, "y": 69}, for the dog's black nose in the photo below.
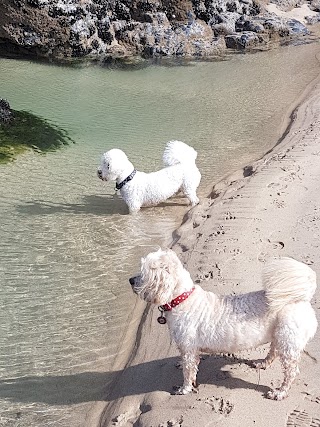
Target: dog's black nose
{"x": 131, "y": 281}
{"x": 99, "y": 172}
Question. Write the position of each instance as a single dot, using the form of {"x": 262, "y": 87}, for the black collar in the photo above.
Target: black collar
{"x": 129, "y": 178}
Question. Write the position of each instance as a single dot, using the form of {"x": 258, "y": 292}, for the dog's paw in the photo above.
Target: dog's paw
{"x": 182, "y": 390}
{"x": 185, "y": 390}
{"x": 258, "y": 364}
{"x": 194, "y": 201}
{"x": 277, "y": 394}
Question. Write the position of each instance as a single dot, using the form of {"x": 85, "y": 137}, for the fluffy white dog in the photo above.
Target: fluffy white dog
{"x": 143, "y": 189}
{"x": 201, "y": 321}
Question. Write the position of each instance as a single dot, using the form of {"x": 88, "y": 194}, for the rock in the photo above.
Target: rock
{"x": 19, "y": 130}
{"x": 312, "y": 20}
{"x": 245, "y": 40}
{"x": 6, "y": 114}
{"x": 296, "y": 27}
{"x": 315, "y": 5}
{"x": 100, "y": 29}
{"x": 276, "y": 26}
{"x": 249, "y": 24}
{"x": 227, "y": 23}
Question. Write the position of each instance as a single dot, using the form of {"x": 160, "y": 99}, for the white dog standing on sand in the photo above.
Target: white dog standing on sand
{"x": 201, "y": 321}
{"x": 143, "y": 189}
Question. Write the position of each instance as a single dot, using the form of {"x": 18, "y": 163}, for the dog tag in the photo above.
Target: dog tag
{"x": 162, "y": 320}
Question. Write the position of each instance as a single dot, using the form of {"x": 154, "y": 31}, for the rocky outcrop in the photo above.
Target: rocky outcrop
{"x": 113, "y": 28}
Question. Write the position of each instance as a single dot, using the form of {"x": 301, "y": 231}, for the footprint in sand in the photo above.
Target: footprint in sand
{"x": 292, "y": 173}
{"x": 307, "y": 259}
{"x": 217, "y": 232}
{"x": 122, "y": 419}
{"x": 229, "y": 215}
{"x": 235, "y": 251}
{"x": 207, "y": 275}
{"x": 219, "y": 405}
{"x": 272, "y": 244}
{"x": 219, "y": 250}
{"x": 312, "y": 397}
{"x": 201, "y": 276}
{"x": 310, "y": 222}
{"x": 279, "y": 203}
{"x": 301, "y": 418}
{"x": 276, "y": 244}
{"x": 173, "y": 423}
{"x": 277, "y": 186}
{"x": 131, "y": 416}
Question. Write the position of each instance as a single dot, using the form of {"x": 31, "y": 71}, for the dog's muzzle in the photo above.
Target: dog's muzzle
{"x": 134, "y": 282}
{"x": 99, "y": 173}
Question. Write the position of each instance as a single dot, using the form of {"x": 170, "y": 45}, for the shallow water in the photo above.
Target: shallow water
{"x": 67, "y": 245}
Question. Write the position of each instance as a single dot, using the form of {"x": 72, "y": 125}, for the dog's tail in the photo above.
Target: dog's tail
{"x": 178, "y": 152}
{"x": 286, "y": 281}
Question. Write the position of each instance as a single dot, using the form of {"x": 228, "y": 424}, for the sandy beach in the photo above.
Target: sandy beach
{"x": 270, "y": 208}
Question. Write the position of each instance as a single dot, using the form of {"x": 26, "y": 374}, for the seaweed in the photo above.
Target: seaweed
{"x": 28, "y": 131}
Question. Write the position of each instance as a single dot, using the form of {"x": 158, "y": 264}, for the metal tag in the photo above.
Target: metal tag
{"x": 162, "y": 320}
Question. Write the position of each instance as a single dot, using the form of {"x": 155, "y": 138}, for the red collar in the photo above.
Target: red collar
{"x": 176, "y": 301}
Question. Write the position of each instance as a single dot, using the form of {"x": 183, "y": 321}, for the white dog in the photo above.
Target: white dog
{"x": 201, "y": 321}
{"x": 143, "y": 189}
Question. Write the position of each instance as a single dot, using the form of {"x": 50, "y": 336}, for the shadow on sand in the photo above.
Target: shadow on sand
{"x": 134, "y": 380}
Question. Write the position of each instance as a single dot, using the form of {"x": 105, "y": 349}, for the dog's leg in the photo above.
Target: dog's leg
{"x": 133, "y": 208}
{"x": 194, "y": 200}
{"x": 190, "y": 193}
{"x": 291, "y": 369}
{"x": 192, "y": 196}
{"x": 264, "y": 364}
{"x": 190, "y": 362}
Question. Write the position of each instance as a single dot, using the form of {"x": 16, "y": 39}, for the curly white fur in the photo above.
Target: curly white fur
{"x": 180, "y": 174}
{"x": 280, "y": 314}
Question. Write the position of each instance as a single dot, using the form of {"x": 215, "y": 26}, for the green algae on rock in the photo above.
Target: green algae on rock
{"x": 24, "y": 130}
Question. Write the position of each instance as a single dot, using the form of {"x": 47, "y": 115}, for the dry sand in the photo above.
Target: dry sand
{"x": 300, "y": 13}
{"x": 269, "y": 208}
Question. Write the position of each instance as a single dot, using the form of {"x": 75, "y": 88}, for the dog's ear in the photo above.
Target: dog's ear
{"x": 156, "y": 260}
{"x": 172, "y": 259}
{"x": 163, "y": 285}
{"x": 158, "y": 277}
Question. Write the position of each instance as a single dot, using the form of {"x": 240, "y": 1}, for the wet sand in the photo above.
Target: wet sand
{"x": 269, "y": 208}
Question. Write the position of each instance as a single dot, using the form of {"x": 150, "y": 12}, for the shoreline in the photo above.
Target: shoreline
{"x": 218, "y": 189}
{"x": 139, "y": 398}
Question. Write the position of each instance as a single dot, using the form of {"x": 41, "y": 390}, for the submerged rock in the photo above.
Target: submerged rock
{"x": 114, "y": 28}
{"x": 21, "y": 130}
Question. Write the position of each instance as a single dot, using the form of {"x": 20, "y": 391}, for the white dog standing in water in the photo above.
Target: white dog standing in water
{"x": 143, "y": 189}
{"x": 201, "y": 321}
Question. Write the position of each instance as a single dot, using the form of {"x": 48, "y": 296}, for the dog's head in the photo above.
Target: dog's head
{"x": 159, "y": 276}
{"x": 113, "y": 163}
